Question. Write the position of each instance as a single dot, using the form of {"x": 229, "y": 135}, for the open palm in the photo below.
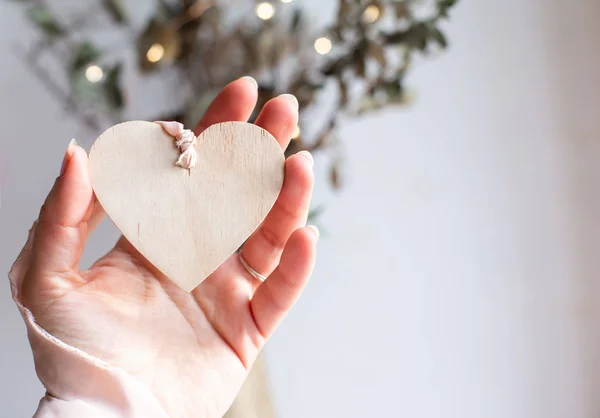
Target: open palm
{"x": 193, "y": 350}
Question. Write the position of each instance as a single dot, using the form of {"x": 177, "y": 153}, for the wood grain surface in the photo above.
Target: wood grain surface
{"x": 186, "y": 222}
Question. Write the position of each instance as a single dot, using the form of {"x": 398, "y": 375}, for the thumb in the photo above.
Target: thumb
{"x": 62, "y": 225}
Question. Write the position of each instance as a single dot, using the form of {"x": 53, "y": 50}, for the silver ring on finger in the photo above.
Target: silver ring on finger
{"x": 250, "y": 270}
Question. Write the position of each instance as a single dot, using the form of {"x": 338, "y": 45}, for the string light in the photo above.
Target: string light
{"x": 296, "y": 133}
{"x": 94, "y": 73}
{"x": 265, "y": 11}
{"x": 323, "y": 45}
{"x": 155, "y": 53}
{"x": 371, "y": 14}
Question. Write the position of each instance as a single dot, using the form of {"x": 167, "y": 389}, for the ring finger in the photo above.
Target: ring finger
{"x": 263, "y": 249}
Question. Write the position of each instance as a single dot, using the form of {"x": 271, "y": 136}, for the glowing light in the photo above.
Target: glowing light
{"x": 265, "y": 11}
{"x": 155, "y": 53}
{"x": 296, "y": 133}
{"x": 94, "y": 73}
{"x": 371, "y": 14}
{"x": 323, "y": 45}
{"x": 286, "y": 1}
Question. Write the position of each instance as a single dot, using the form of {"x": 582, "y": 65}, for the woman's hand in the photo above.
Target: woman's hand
{"x": 193, "y": 350}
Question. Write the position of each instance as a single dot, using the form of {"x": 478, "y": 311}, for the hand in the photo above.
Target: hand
{"x": 193, "y": 350}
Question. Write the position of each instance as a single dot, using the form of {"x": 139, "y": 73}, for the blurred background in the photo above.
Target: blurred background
{"x": 458, "y": 186}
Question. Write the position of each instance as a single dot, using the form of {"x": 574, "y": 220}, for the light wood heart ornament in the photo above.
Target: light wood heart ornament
{"x": 186, "y": 222}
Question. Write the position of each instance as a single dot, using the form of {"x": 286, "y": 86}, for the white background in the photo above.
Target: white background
{"x": 460, "y": 274}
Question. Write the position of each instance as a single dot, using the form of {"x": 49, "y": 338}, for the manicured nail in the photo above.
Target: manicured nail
{"x": 68, "y": 156}
{"x": 292, "y": 99}
{"x": 32, "y": 229}
{"x": 308, "y": 156}
{"x": 250, "y": 80}
{"x": 314, "y": 230}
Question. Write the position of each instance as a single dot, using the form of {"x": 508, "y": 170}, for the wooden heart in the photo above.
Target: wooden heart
{"x": 186, "y": 222}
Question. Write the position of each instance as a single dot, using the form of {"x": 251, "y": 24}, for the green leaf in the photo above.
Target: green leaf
{"x": 116, "y": 10}
{"x": 415, "y": 36}
{"x": 336, "y": 66}
{"x": 438, "y": 37}
{"x": 296, "y": 20}
{"x": 167, "y": 10}
{"x": 392, "y": 88}
{"x": 42, "y": 17}
{"x": 86, "y": 54}
{"x": 368, "y": 104}
{"x": 112, "y": 87}
{"x": 444, "y": 6}
{"x": 315, "y": 213}
{"x": 82, "y": 87}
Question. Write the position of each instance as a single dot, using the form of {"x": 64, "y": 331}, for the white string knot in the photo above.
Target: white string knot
{"x": 185, "y": 140}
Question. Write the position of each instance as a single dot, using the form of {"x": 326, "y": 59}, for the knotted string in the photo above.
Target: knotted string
{"x": 185, "y": 141}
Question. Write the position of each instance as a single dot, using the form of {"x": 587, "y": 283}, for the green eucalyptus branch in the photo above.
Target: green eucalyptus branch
{"x": 372, "y": 43}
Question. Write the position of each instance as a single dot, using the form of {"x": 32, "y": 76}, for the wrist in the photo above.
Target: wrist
{"x": 80, "y": 384}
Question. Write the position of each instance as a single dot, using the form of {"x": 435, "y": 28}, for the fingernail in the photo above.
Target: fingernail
{"x": 32, "y": 229}
{"x": 68, "y": 156}
{"x": 250, "y": 80}
{"x": 292, "y": 99}
{"x": 308, "y": 156}
{"x": 314, "y": 230}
